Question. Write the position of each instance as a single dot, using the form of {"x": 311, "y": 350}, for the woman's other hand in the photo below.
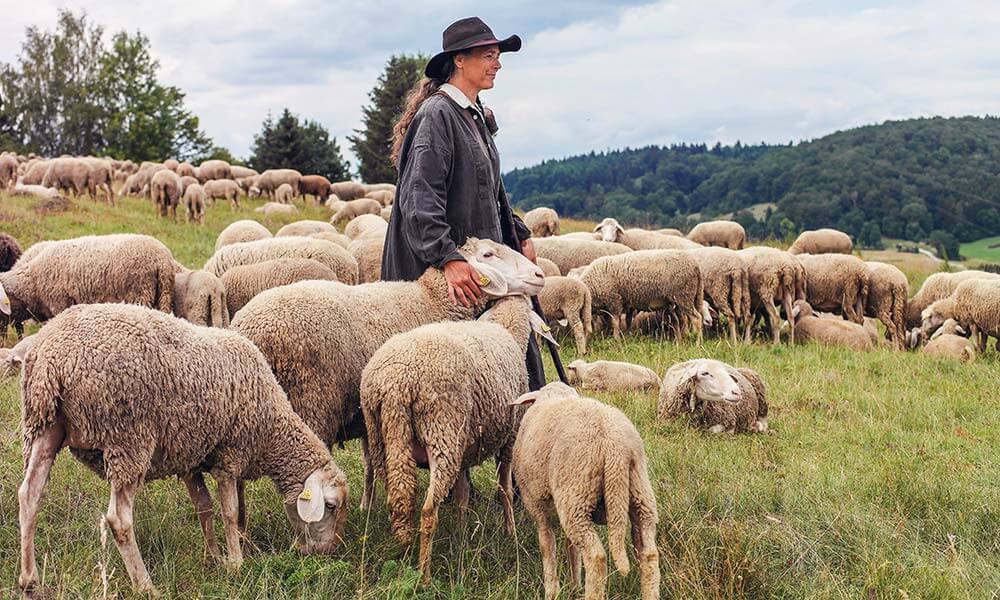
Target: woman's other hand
{"x": 528, "y": 250}
{"x": 463, "y": 286}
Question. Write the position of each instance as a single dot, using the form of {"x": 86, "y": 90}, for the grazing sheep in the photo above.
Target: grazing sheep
{"x": 315, "y": 185}
{"x": 384, "y": 197}
{"x": 186, "y": 182}
{"x": 214, "y": 169}
{"x": 337, "y": 238}
{"x": 305, "y": 227}
{"x": 439, "y": 396}
{"x": 165, "y": 189}
{"x": 270, "y": 180}
{"x": 171, "y": 164}
{"x": 568, "y": 253}
{"x": 937, "y": 287}
{"x": 137, "y": 184}
{"x": 726, "y": 278}
{"x": 243, "y": 283}
{"x": 319, "y": 335}
{"x": 99, "y": 179}
{"x": 223, "y": 189}
{"x": 822, "y": 241}
{"x": 244, "y": 230}
{"x": 186, "y": 169}
{"x": 333, "y": 202}
{"x": 12, "y": 359}
{"x": 975, "y": 304}
{"x": 348, "y": 190}
{"x": 542, "y": 222}
{"x": 10, "y": 251}
{"x": 611, "y": 376}
{"x": 716, "y": 396}
{"x": 640, "y": 239}
{"x": 271, "y": 209}
{"x": 284, "y": 194}
{"x": 194, "y": 200}
{"x": 138, "y": 395}
{"x": 8, "y": 171}
{"x": 247, "y": 253}
{"x": 949, "y": 341}
{"x": 727, "y": 234}
{"x": 831, "y": 331}
{"x": 239, "y": 172}
{"x": 773, "y": 275}
{"x": 35, "y": 172}
{"x": 67, "y": 175}
{"x": 836, "y": 283}
{"x": 647, "y": 280}
{"x": 568, "y": 299}
{"x": 582, "y": 461}
{"x": 366, "y": 225}
{"x": 353, "y": 208}
{"x": 367, "y": 250}
{"x": 886, "y": 301}
{"x": 548, "y": 267}
{"x": 200, "y": 297}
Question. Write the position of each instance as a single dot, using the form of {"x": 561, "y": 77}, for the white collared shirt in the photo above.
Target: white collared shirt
{"x": 460, "y": 98}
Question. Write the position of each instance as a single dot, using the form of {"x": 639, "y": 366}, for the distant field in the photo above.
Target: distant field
{"x": 984, "y": 250}
{"x": 879, "y": 479}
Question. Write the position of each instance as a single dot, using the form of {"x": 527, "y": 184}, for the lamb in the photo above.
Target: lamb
{"x": 569, "y": 299}
{"x": 353, "y": 208}
{"x": 716, "y": 396}
{"x": 173, "y": 399}
{"x": 200, "y": 297}
{"x": 223, "y": 189}
{"x": 316, "y": 185}
{"x": 726, "y": 278}
{"x": 773, "y": 275}
{"x": 640, "y": 239}
{"x": 284, "y": 194}
{"x": 384, "y": 197}
{"x": 244, "y": 230}
{"x": 829, "y": 331}
{"x": 886, "y": 300}
{"x": 727, "y": 234}
{"x": 822, "y": 241}
{"x": 647, "y": 280}
{"x": 367, "y": 250}
{"x": 271, "y": 179}
{"x": 611, "y": 376}
{"x": 54, "y": 275}
{"x": 245, "y": 253}
{"x": 165, "y": 189}
{"x": 214, "y": 169}
{"x": 937, "y": 287}
{"x": 542, "y": 222}
{"x": 975, "y": 304}
{"x": 271, "y": 209}
{"x": 305, "y": 227}
{"x": 10, "y": 251}
{"x": 439, "y": 396}
{"x": 194, "y": 201}
{"x": 949, "y": 341}
{"x": 837, "y": 283}
{"x": 8, "y": 171}
{"x": 319, "y": 335}
{"x": 582, "y": 461}
{"x": 548, "y": 267}
{"x": 243, "y": 283}
{"x": 568, "y": 254}
{"x": 348, "y": 190}
{"x": 365, "y": 225}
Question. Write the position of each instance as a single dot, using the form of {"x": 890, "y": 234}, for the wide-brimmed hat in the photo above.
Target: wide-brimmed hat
{"x": 464, "y": 34}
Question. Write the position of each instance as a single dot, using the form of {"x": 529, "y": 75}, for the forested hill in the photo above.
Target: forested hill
{"x": 920, "y": 179}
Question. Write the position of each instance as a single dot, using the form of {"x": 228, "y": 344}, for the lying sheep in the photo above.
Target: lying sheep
{"x": 582, "y": 461}
{"x": 315, "y": 185}
{"x": 172, "y": 399}
{"x": 568, "y": 253}
{"x": 165, "y": 190}
{"x": 949, "y": 341}
{"x": 715, "y": 396}
{"x": 366, "y": 225}
{"x": 726, "y": 279}
{"x": 439, "y": 396}
{"x": 284, "y": 194}
{"x": 244, "y": 230}
{"x": 353, "y": 208}
{"x": 194, "y": 200}
{"x": 837, "y": 283}
{"x": 886, "y": 300}
{"x": 542, "y": 222}
{"x": 271, "y": 209}
{"x": 36, "y": 191}
{"x": 728, "y": 234}
{"x": 975, "y": 304}
{"x": 938, "y": 287}
{"x": 568, "y": 299}
{"x": 548, "y": 267}
{"x": 834, "y": 331}
{"x": 611, "y": 376}
{"x": 223, "y": 189}
{"x": 305, "y": 227}
{"x": 235, "y": 255}
{"x": 822, "y": 241}
{"x": 243, "y": 283}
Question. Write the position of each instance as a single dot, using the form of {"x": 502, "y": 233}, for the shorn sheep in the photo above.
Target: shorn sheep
{"x": 716, "y": 396}
{"x": 569, "y": 300}
{"x": 611, "y": 376}
{"x": 542, "y": 222}
{"x": 728, "y": 234}
{"x": 581, "y": 461}
{"x": 245, "y": 253}
{"x": 439, "y": 396}
{"x": 172, "y": 399}
{"x": 822, "y": 241}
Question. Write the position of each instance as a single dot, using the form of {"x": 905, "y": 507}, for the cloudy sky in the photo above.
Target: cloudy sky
{"x": 590, "y": 76}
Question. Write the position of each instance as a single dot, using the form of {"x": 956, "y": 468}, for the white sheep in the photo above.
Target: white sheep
{"x": 245, "y": 253}
{"x": 611, "y": 376}
{"x": 715, "y": 396}
{"x": 568, "y": 299}
{"x": 949, "y": 341}
{"x": 244, "y": 230}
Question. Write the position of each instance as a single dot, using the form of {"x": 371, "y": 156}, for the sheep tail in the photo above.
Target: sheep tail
{"x": 164, "y": 297}
{"x": 616, "y": 504}
{"x": 396, "y": 426}
{"x": 39, "y": 401}
{"x": 587, "y": 312}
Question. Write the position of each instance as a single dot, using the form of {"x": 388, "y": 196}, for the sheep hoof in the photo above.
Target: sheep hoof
{"x": 716, "y": 429}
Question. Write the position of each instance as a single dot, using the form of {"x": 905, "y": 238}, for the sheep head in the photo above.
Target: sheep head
{"x": 552, "y": 391}
{"x": 319, "y": 511}
{"x": 610, "y": 230}
{"x": 710, "y": 381}
{"x": 502, "y": 271}
{"x": 801, "y": 309}
{"x": 936, "y": 314}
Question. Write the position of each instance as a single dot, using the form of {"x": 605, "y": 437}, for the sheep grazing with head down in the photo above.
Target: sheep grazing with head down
{"x": 886, "y": 300}
{"x": 353, "y": 208}
{"x": 728, "y": 234}
{"x": 172, "y": 399}
{"x": 581, "y": 461}
{"x": 938, "y": 287}
{"x": 439, "y": 396}
{"x": 715, "y": 396}
{"x": 223, "y": 189}
{"x": 774, "y": 276}
{"x": 194, "y": 200}
{"x": 165, "y": 189}
{"x": 837, "y": 283}
{"x": 315, "y": 185}
{"x": 975, "y": 305}
{"x": 822, "y": 241}
{"x": 542, "y": 221}
{"x": 726, "y": 278}
{"x": 568, "y": 299}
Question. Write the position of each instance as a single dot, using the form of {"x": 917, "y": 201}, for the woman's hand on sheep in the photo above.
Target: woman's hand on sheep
{"x": 463, "y": 283}
{"x": 528, "y": 250}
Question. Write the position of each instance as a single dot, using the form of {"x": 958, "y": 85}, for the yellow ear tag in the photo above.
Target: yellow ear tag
{"x": 306, "y": 495}
{"x": 546, "y": 328}
{"x": 484, "y": 280}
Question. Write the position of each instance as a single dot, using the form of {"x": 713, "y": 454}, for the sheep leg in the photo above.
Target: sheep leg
{"x": 202, "y": 501}
{"x": 119, "y": 518}
{"x": 229, "y": 505}
{"x": 579, "y": 333}
{"x": 368, "y": 495}
{"x": 644, "y": 540}
{"x": 547, "y": 548}
{"x": 241, "y": 520}
{"x": 444, "y": 472}
{"x": 506, "y": 493}
{"x": 574, "y": 564}
{"x": 786, "y": 304}
{"x": 773, "y": 321}
{"x": 36, "y": 474}
{"x": 580, "y": 532}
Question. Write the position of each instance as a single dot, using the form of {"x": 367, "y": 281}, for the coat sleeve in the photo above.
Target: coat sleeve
{"x": 523, "y": 232}
{"x": 424, "y": 214}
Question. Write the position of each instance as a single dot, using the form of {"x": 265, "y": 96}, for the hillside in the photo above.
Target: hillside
{"x": 919, "y": 179}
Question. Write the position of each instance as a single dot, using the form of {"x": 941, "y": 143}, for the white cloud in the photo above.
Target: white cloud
{"x": 590, "y": 75}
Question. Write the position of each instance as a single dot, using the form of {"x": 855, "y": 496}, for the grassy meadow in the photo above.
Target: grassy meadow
{"x": 986, "y": 250}
{"x": 878, "y": 479}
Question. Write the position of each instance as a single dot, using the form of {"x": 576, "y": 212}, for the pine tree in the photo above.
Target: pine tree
{"x": 373, "y": 144}
{"x": 304, "y": 146}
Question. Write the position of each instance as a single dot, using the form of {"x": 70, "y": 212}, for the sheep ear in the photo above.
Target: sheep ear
{"x": 620, "y": 229}
{"x": 526, "y": 399}
{"x": 4, "y": 301}
{"x": 597, "y": 228}
{"x": 960, "y": 330}
{"x": 796, "y": 310}
{"x": 937, "y": 334}
{"x": 490, "y": 280}
{"x": 310, "y": 504}
{"x": 539, "y": 327}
